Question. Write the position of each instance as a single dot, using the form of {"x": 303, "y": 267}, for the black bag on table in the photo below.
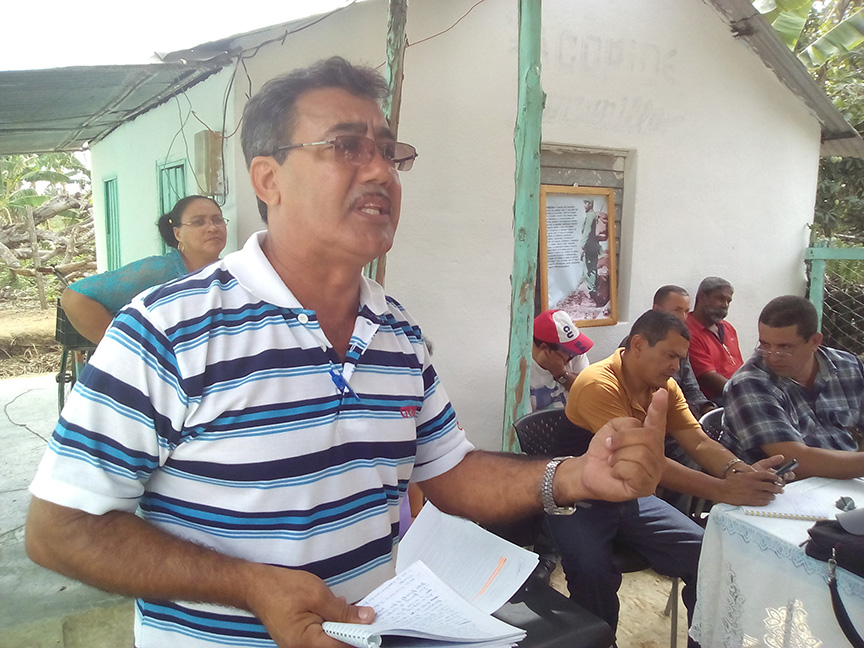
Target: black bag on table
{"x": 831, "y": 543}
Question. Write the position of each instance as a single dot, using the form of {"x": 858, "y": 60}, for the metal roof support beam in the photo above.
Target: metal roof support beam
{"x": 526, "y": 210}
{"x": 108, "y": 109}
{"x": 747, "y": 24}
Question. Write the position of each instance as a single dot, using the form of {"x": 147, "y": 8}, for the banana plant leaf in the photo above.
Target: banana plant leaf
{"x": 845, "y": 37}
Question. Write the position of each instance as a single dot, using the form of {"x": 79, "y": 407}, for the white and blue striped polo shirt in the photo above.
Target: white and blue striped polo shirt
{"x": 216, "y": 409}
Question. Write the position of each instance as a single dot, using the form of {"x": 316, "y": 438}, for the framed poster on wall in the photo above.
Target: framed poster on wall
{"x": 577, "y": 253}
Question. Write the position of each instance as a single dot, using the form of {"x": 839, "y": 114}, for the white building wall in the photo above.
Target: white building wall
{"x": 132, "y": 154}
{"x": 720, "y": 175}
{"x": 453, "y": 257}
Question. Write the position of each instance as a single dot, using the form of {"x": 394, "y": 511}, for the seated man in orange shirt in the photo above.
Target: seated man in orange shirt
{"x": 623, "y": 385}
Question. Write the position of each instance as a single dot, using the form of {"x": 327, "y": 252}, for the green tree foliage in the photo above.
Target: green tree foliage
{"x": 828, "y": 36}
{"x": 840, "y": 193}
{"x": 839, "y": 205}
{"x": 55, "y": 189}
{"x": 842, "y": 38}
{"x": 32, "y": 180}
{"x": 788, "y": 17}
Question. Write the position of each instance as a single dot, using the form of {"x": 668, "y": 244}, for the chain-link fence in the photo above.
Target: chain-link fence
{"x": 841, "y": 298}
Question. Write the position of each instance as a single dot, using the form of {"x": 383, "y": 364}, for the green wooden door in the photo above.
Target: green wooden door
{"x": 112, "y": 224}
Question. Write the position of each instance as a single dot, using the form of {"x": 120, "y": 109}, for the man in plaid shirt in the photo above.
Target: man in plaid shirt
{"x": 797, "y": 398}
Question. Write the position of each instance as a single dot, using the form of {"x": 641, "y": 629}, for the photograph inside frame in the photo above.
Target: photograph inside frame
{"x": 577, "y": 252}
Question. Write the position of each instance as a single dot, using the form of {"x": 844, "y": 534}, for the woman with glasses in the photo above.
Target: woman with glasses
{"x": 196, "y": 233}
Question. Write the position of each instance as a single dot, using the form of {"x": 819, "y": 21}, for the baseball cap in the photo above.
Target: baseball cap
{"x": 556, "y": 327}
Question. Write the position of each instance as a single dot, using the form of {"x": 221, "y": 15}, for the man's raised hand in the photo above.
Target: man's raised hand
{"x": 624, "y": 461}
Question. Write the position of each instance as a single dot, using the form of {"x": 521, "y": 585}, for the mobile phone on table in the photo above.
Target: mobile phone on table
{"x": 792, "y": 464}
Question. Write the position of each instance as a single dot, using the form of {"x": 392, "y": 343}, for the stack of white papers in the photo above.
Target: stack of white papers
{"x": 451, "y": 575}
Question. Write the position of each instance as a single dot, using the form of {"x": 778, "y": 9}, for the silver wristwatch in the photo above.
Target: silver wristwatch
{"x": 546, "y": 497}
{"x": 562, "y": 379}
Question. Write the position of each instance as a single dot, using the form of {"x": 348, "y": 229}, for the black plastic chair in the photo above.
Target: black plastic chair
{"x": 550, "y": 433}
{"x": 551, "y": 620}
{"x": 712, "y": 423}
{"x": 543, "y": 433}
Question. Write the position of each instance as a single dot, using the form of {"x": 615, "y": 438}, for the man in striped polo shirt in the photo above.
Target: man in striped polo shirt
{"x": 235, "y": 452}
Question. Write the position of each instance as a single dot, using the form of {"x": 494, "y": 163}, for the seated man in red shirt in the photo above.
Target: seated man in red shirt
{"x": 714, "y": 352}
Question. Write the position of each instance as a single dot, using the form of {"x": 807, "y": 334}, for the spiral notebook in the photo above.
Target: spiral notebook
{"x": 416, "y": 608}
{"x": 800, "y": 501}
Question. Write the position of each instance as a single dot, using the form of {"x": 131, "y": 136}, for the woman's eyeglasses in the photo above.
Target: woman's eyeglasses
{"x": 203, "y": 221}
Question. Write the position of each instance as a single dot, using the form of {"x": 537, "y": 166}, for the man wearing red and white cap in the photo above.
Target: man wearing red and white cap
{"x": 558, "y": 356}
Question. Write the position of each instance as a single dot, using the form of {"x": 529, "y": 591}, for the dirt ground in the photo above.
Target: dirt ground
{"x": 27, "y": 344}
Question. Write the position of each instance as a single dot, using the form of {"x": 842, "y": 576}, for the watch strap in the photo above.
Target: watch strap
{"x": 549, "y": 505}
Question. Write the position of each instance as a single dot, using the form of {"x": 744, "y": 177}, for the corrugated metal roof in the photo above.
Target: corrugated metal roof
{"x": 61, "y": 109}
{"x": 838, "y": 136}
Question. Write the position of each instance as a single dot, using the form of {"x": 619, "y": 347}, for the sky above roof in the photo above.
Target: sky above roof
{"x": 53, "y": 34}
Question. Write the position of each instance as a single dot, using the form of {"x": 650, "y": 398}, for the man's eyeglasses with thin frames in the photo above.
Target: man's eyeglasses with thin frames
{"x": 782, "y": 354}
{"x": 359, "y": 150}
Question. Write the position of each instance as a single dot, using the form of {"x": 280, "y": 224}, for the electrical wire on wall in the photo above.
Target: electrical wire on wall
{"x": 241, "y": 59}
{"x": 444, "y": 31}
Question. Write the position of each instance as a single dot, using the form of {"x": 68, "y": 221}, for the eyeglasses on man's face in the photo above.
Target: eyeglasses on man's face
{"x": 780, "y": 354}
{"x": 204, "y": 221}
{"x": 358, "y": 150}
{"x": 563, "y": 352}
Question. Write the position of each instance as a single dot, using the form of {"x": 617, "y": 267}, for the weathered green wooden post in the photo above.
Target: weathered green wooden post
{"x": 526, "y": 209}
{"x": 397, "y": 14}
{"x": 819, "y": 255}
{"x": 817, "y": 278}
